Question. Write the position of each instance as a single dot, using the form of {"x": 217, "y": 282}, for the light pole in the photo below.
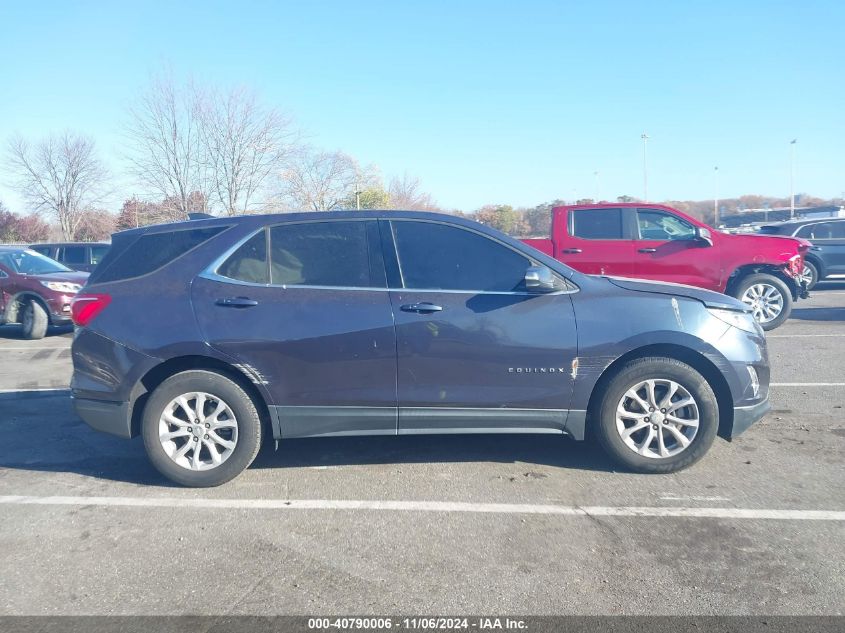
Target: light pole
{"x": 645, "y": 137}
{"x": 716, "y": 197}
{"x": 792, "y": 178}
{"x": 596, "y": 174}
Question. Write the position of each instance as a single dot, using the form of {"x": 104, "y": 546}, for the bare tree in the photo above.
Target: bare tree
{"x": 60, "y": 175}
{"x": 405, "y": 193}
{"x": 166, "y": 151}
{"x": 244, "y": 143}
{"x": 320, "y": 181}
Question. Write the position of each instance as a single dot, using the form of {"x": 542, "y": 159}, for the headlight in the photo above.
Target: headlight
{"x": 742, "y": 320}
{"x": 62, "y": 286}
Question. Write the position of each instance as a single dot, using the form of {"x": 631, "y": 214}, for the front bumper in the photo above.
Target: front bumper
{"x": 106, "y": 416}
{"x": 744, "y": 417}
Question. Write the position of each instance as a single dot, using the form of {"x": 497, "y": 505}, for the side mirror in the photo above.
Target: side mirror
{"x": 703, "y": 235}
{"x": 539, "y": 279}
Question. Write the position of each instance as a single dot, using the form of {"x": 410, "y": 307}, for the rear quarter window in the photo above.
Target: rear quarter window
{"x": 150, "y": 252}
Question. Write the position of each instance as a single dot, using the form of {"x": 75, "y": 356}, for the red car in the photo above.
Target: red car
{"x": 35, "y": 290}
{"x": 649, "y": 241}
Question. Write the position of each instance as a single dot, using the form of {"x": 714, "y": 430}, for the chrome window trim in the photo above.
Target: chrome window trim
{"x": 210, "y": 272}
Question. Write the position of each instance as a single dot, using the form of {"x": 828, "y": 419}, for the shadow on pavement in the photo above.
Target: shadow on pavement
{"x": 43, "y": 434}
{"x": 15, "y": 331}
{"x": 818, "y": 314}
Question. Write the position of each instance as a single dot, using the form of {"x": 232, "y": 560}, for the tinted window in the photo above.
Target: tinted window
{"x": 150, "y": 252}
{"x": 655, "y": 225}
{"x": 820, "y": 231}
{"x": 837, "y": 230}
{"x": 437, "y": 256}
{"x": 97, "y": 253}
{"x": 73, "y": 255}
{"x": 320, "y": 254}
{"x": 249, "y": 262}
{"x": 770, "y": 230}
{"x": 44, "y": 250}
{"x": 597, "y": 224}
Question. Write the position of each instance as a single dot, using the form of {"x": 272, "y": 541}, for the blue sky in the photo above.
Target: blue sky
{"x": 486, "y": 102}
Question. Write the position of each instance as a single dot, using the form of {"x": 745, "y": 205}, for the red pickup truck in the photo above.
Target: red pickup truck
{"x": 650, "y": 241}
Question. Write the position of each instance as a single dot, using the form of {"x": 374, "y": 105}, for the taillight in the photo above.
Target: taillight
{"x": 85, "y": 308}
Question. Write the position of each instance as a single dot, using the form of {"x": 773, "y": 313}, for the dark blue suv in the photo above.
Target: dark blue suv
{"x": 826, "y": 257}
{"x": 206, "y": 336}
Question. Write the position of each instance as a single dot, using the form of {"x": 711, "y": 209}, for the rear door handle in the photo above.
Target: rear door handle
{"x": 236, "y": 302}
{"x": 571, "y": 251}
{"x": 648, "y": 250}
{"x": 421, "y": 307}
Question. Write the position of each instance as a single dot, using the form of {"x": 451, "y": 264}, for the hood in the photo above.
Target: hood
{"x": 707, "y": 297}
{"x": 71, "y": 276}
{"x": 781, "y": 247}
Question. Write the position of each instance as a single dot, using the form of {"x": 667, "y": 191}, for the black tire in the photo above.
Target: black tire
{"x": 771, "y": 281}
{"x": 658, "y": 368}
{"x": 813, "y": 271}
{"x": 248, "y": 423}
{"x": 34, "y": 320}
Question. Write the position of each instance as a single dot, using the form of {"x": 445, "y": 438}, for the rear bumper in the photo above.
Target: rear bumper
{"x": 103, "y": 415}
{"x": 744, "y": 417}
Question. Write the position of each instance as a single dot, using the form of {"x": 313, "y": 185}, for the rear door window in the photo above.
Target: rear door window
{"x": 598, "y": 224}
{"x": 334, "y": 253}
{"x": 435, "y": 256}
{"x": 97, "y": 254}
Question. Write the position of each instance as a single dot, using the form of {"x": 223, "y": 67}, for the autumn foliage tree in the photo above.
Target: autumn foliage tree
{"x": 25, "y": 229}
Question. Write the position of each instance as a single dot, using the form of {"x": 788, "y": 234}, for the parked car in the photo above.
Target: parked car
{"x": 83, "y": 256}
{"x": 649, "y": 241}
{"x": 35, "y": 291}
{"x": 205, "y": 336}
{"x": 826, "y": 257}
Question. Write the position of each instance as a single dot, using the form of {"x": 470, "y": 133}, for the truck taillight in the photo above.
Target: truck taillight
{"x": 84, "y": 308}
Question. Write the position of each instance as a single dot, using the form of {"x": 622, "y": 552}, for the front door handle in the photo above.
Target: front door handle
{"x": 648, "y": 250}
{"x": 236, "y": 302}
{"x": 423, "y": 307}
{"x": 571, "y": 251}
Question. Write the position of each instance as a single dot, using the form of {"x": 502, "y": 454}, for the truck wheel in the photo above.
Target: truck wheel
{"x": 34, "y": 320}
{"x": 810, "y": 275}
{"x": 200, "y": 429}
{"x": 768, "y": 297}
{"x": 657, "y": 415}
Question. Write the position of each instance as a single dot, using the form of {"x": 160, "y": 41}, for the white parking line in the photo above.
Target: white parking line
{"x": 30, "y": 349}
{"x": 805, "y": 336}
{"x": 431, "y": 506}
{"x": 807, "y": 384}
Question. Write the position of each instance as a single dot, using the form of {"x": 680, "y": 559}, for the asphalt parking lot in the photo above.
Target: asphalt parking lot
{"x": 435, "y": 525}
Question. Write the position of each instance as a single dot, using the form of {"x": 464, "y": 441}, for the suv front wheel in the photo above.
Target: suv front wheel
{"x": 200, "y": 429}
{"x": 34, "y": 320}
{"x": 657, "y": 415}
{"x": 768, "y": 297}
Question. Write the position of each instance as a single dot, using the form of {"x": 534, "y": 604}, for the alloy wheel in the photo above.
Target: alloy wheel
{"x": 806, "y": 276}
{"x": 657, "y": 418}
{"x": 198, "y": 431}
{"x": 765, "y": 301}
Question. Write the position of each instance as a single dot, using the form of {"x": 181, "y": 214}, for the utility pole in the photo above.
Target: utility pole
{"x": 716, "y": 197}
{"x": 792, "y": 179}
{"x": 357, "y": 194}
{"x": 596, "y": 174}
{"x": 645, "y": 138}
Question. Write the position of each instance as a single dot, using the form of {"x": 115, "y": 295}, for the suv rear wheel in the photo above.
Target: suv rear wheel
{"x": 657, "y": 415}
{"x": 768, "y": 297}
{"x": 34, "y": 320}
{"x": 200, "y": 429}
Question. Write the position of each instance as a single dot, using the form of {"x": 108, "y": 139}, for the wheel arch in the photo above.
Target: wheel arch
{"x": 164, "y": 370}
{"x": 19, "y": 300}
{"x": 752, "y": 269}
{"x": 693, "y": 358}
{"x": 816, "y": 261}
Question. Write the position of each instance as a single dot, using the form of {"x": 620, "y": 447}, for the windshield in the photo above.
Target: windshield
{"x": 31, "y": 263}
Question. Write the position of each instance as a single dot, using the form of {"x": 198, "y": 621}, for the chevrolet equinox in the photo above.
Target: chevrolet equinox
{"x": 208, "y": 335}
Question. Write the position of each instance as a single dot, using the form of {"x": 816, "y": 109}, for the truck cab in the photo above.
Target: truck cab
{"x": 651, "y": 241}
